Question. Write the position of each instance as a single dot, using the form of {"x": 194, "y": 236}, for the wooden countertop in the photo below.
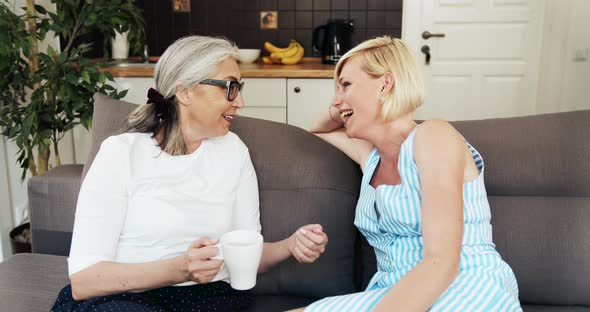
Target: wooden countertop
{"x": 308, "y": 68}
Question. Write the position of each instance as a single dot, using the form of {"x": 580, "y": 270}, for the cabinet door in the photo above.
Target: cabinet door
{"x": 265, "y": 98}
{"x": 306, "y": 98}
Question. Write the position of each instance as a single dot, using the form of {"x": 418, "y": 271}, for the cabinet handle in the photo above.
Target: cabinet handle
{"x": 297, "y": 89}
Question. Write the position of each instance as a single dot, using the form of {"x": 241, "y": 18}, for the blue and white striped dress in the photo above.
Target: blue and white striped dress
{"x": 389, "y": 217}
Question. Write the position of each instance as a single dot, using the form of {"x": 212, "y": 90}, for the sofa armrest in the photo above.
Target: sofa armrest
{"x": 52, "y": 202}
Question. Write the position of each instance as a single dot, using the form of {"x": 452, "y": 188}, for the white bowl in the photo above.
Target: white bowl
{"x": 248, "y": 56}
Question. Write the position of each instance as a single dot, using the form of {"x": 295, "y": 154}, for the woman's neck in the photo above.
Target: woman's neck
{"x": 192, "y": 137}
{"x": 389, "y": 137}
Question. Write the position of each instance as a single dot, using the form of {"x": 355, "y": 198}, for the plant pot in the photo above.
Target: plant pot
{"x": 20, "y": 238}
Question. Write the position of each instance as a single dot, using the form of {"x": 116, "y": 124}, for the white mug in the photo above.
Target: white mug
{"x": 241, "y": 251}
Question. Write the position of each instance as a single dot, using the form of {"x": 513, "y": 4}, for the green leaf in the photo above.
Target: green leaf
{"x": 46, "y": 133}
{"x": 51, "y": 51}
{"x": 102, "y": 78}
{"x": 40, "y": 9}
{"x": 86, "y": 76}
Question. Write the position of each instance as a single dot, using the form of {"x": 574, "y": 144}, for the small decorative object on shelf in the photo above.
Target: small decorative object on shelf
{"x": 269, "y": 20}
{"x": 181, "y": 5}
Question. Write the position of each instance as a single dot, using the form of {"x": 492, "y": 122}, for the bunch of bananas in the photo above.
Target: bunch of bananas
{"x": 292, "y": 54}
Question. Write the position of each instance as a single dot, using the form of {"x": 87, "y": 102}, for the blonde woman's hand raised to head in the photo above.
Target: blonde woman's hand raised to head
{"x": 330, "y": 127}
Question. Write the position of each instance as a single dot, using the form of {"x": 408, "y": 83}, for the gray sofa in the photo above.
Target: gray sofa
{"x": 537, "y": 176}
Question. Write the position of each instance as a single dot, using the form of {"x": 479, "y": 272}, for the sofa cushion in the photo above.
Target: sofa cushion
{"x": 546, "y": 241}
{"x": 537, "y": 177}
{"x": 302, "y": 180}
{"x": 31, "y": 282}
{"x": 542, "y": 155}
{"x": 52, "y": 199}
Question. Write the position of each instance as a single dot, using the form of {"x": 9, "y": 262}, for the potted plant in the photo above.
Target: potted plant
{"x": 44, "y": 94}
{"x": 126, "y": 25}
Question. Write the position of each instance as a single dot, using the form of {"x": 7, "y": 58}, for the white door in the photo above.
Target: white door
{"x": 486, "y": 65}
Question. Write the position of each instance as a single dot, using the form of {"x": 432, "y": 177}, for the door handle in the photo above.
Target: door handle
{"x": 426, "y": 50}
{"x": 426, "y": 34}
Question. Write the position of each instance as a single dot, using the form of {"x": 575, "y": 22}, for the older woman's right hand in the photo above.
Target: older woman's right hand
{"x": 199, "y": 267}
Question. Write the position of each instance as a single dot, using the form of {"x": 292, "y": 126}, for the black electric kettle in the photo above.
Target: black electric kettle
{"x": 335, "y": 40}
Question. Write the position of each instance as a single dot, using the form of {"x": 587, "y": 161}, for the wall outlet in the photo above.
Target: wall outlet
{"x": 581, "y": 55}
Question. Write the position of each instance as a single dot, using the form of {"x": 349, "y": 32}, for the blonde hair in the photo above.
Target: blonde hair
{"x": 187, "y": 61}
{"x": 385, "y": 54}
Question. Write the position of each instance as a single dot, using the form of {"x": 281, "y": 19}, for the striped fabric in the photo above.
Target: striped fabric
{"x": 389, "y": 217}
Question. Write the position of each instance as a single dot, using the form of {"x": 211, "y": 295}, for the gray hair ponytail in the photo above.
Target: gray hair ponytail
{"x": 187, "y": 62}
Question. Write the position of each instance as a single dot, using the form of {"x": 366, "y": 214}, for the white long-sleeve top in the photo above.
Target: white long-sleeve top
{"x": 139, "y": 204}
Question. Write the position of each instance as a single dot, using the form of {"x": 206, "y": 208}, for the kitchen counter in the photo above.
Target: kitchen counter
{"x": 308, "y": 68}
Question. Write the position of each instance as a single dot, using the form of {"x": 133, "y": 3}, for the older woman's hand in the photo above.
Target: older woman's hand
{"x": 308, "y": 243}
{"x": 199, "y": 267}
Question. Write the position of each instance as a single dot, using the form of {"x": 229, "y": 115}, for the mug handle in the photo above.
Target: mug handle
{"x": 219, "y": 255}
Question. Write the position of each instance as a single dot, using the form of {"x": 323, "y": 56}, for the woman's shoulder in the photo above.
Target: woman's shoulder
{"x": 229, "y": 141}
{"x": 127, "y": 138}
{"x": 433, "y": 136}
{"x": 126, "y": 143}
{"x": 437, "y": 124}
{"x": 434, "y": 129}
{"x": 228, "y": 148}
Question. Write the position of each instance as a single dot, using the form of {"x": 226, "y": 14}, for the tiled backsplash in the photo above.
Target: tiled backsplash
{"x": 239, "y": 20}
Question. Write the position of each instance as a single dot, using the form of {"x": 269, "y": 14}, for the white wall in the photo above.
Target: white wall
{"x": 564, "y": 78}
{"x": 6, "y": 222}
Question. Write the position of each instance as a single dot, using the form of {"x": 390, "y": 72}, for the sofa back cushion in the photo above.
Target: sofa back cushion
{"x": 108, "y": 118}
{"x": 541, "y": 155}
{"x": 538, "y": 181}
{"x": 302, "y": 180}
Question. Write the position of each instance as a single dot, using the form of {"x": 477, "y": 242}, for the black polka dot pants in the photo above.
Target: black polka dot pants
{"x": 217, "y": 296}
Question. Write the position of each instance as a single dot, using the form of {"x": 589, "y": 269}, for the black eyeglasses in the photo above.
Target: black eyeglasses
{"x": 233, "y": 87}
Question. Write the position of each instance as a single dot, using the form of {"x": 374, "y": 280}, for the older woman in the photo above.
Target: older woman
{"x": 423, "y": 204}
{"x": 157, "y": 196}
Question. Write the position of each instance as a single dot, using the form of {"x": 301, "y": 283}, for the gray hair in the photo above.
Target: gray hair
{"x": 187, "y": 62}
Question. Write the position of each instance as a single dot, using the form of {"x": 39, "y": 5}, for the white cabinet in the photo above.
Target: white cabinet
{"x": 265, "y": 98}
{"x": 306, "y": 99}
{"x": 294, "y": 101}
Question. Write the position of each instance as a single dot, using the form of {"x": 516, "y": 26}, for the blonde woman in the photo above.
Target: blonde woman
{"x": 158, "y": 196}
{"x": 423, "y": 204}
